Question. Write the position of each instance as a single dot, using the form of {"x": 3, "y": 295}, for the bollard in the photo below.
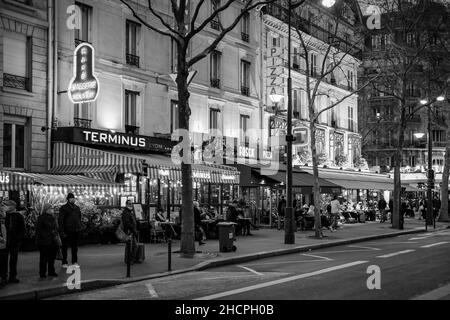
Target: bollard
{"x": 128, "y": 249}
{"x": 169, "y": 247}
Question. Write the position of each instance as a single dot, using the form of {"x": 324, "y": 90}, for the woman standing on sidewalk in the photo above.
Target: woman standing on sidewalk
{"x": 46, "y": 239}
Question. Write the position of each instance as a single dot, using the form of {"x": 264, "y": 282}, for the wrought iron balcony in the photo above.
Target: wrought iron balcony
{"x": 131, "y": 129}
{"x": 215, "y": 83}
{"x": 132, "y": 60}
{"x": 215, "y": 24}
{"x": 245, "y": 37}
{"x": 82, "y": 123}
{"x": 245, "y": 91}
{"x": 16, "y": 82}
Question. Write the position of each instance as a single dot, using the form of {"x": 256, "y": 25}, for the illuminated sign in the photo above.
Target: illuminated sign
{"x": 227, "y": 177}
{"x": 201, "y": 175}
{"x": 106, "y": 137}
{"x": 84, "y": 86}
{"x": 163, "y": 172}
{"x": 4, "y": 179}
{"x": 246, "y": 152}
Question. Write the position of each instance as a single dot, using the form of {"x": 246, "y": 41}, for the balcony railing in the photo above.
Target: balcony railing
{"x": 245, "y": 91}
{"x": 215, "y": 83}
{"x": 215, "y": 24}
{"x": 245, "y": 37}
{"x": 82, "y": 123}
{"x": 16, "y": 82}
{"x": 131, "y": 129}
{"x": 132, "y": 60}
{"x": 439, "y": 144}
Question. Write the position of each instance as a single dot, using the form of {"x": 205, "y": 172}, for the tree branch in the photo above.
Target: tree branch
{"x": 157, "y": 15}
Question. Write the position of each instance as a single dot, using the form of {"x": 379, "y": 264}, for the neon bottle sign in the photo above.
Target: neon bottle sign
{"x": 84, "y": 86}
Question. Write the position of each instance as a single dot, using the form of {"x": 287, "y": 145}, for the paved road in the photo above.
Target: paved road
{"x": 411, "y": 267}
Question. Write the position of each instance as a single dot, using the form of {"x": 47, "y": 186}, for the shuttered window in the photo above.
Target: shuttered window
{"x": 15, "y": 54}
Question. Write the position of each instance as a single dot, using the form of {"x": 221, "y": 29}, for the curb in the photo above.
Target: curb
{"x": 90, "y": 285}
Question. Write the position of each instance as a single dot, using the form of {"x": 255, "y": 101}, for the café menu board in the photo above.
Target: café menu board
{"x": 84, "y": 86}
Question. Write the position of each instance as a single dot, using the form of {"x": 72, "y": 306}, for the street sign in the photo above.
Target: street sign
{"x": 301, "y": 136}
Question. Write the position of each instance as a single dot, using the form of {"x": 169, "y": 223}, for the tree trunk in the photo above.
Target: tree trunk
{"x": 443, "y": 214}
{"x": 396, "y": 211}
{"x": 316, "y": 188}
{"x": 187, "y": 228}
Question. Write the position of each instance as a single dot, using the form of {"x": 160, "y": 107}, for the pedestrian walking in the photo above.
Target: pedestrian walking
{"x": 198, "y": 223}
{"x": 130, "y": 228}
{"x": 382, "y": 208}
{"x": 3, "y": 251}
{"x": 47, "y": 239}
{"x": 335, "y": 207}
{"x": 70, "y": 227}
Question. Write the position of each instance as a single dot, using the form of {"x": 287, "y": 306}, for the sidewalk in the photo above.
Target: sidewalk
{"x": 102, "y": 265}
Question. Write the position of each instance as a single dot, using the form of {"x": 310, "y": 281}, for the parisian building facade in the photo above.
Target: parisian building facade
{"x": 338, "y": 140}
{"x": 24, "y": 91}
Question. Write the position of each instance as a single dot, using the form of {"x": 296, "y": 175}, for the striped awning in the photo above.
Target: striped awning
{"x": 14, "y": 181}
{"x": 73, "y": 159}
{"x": 56, "y": 180}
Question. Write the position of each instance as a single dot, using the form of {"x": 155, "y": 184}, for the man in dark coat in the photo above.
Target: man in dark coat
{"x": 46, "y": 232}
{"x": 15, "y": 232}
{"x": 130, "y": 228}
{"x": 382, "y": 208}
{"x": 69, "y": 227}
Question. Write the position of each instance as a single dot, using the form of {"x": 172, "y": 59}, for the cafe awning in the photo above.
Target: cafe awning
{"x": 355, "y": 180}
{"x": 55, "y": 180}
{"x": 104, "y": 165}
{"x": 13, "y": 181}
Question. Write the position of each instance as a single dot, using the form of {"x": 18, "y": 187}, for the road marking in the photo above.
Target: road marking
{"x": 395, "y": 253}
{"x": 284, "y": 262}
{"x": 361, "y": 247}
{"x": 279, "y": 281}
{"x": 434, "y": 244}
{"x": 151, "y": 290}
{"x": 251, "y": 270}
{"x": 435, "y": 294}
{"x": 313, "y": 256}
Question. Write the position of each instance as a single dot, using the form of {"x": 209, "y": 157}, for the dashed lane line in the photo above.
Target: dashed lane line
{"x": 280, "y": 281}
{"x": 314, "y": 256}
{"x": 251, "y": 270}
{"x": 434, "y": 244}
{"x": 151, "y": 290}
{"x": 435, "y": 294}
{"x": 395, "y": 253}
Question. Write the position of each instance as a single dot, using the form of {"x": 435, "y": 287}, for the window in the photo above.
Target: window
{"x": 16, "y": 61}
{"x": 313, "y": 63}
{"x": 295, "y": 103}
{"x": 174, "y": 56}
{"x": 215, "y": 22}
{"x": 276, "y": 41}
{"x": 387, "y": 40}
{"x": 14, "y": 143}
{"x": 304, "y": 112}
{"x": 351, "y": 123}
{"x": 390, "y": 138}
{"x": 132, "y": 40}
{"x": 214, "y": 119}
{"x": 412, "y": 161}
{"x": 295, "y": 60}
{"x": 131, "y": 111}
{"x": 243, "y": 125}
{"x": 81, "y": 115}
{"x": 174, "y": 116}
{"x": 82, "y": 34}
{"x": 245, "y": 77}
{"x": 350, "y": 83}
{"x": 410, "y": 38}
{"x": 245, "y": 27}
{"x": 438, "y": 135}
{"x": 376, "y": 42}
{"x": 215, "y": 58}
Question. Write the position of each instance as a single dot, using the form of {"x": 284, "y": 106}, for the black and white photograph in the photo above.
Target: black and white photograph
{"x": 218, "y": 158}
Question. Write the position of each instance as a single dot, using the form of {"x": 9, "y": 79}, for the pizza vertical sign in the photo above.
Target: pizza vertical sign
{"x": 84, "y": 86}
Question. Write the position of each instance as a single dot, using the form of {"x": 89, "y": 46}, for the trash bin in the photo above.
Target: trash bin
{"x": 226, "y": 236}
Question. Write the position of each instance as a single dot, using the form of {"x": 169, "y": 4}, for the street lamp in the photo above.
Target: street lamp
{"x": 289, "y": 221}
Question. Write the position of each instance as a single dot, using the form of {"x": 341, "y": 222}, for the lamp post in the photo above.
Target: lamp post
{"x": 430, "y": 176}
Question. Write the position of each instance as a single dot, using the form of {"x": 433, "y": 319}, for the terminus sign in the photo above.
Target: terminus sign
{"x": 4, "y": 179}
{"x": 114, "y": 138}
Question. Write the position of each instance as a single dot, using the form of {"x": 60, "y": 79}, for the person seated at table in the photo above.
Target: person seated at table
{"x": 159, "y": 216}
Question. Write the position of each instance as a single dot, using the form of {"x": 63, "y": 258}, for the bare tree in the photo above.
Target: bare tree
{"x": 182, "y": 25}
{"x": 336, "y": 53}
{"x": 405, "y": 36}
